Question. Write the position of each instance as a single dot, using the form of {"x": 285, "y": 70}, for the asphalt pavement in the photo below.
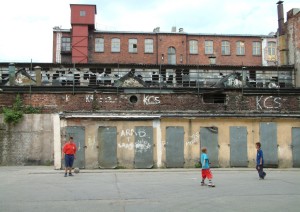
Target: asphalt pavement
{"x": 43, "y": 189}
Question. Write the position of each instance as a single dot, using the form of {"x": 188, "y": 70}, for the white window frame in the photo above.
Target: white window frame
{"x": 99, "y": 44}
{"x": 256, "y": 48}
{"x": 193, "y": 44}
{"x": 225, "y": 47}
{"x": 148, "y": 45}
{"x": 115, "y": 45}
{"x": 240, "y": 48}
{"x": 132, "y": 45}
{"x": 209, "y": 47}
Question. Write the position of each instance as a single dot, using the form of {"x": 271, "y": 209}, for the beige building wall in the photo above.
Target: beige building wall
{"x": 125, "y": 139}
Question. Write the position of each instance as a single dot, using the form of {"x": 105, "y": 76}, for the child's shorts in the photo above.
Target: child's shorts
{"x": 206, "y": 173}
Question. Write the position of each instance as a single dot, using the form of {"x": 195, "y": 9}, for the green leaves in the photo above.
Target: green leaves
{"x": 15, "y": 114}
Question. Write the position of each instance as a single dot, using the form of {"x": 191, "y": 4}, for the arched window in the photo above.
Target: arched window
{"x": 171, "y": 55}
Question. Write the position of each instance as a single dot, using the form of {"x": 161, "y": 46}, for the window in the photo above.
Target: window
{"x": 225, "y": 47}
{"x": 132, "y": 45}
{"x": 193, "y": 47}
{"x": 115, "y": 45}
{"x": 82, "y": 13}
{"x": 99, "y": 45}
{"x": 272, "y": 48}
{"x": 171, "y": 55}
{"x": 256, "y": 48}
{"x": 209, "y": 47}
{"x": 240, "y": 48}
{"x": 148, "y": 45}
{"x": 65, "y": 44}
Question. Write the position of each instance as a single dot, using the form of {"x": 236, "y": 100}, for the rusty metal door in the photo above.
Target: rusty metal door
{"x": 107, "y": 138}
{"x": 238, "y": 147}
{"x": 143, "y": 146}
{"x": 209, "y": 139}
{"x": 78, "y": 134}
{"x": 268, "y": 139}
{"x": 296, "y": 146}
{"x": 174, "y": 147}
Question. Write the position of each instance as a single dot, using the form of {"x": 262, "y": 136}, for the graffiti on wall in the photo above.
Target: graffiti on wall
{"x": 151, "y": 100}
{"x": 142, "y": 143}
{"x": 269, "y": 102}
{"x": 193, "y": 139}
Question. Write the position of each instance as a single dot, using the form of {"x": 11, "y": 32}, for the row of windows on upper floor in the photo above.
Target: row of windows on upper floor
{"x": 193, "y": 46}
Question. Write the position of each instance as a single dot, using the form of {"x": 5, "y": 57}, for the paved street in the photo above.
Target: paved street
{"x": 43, "y": 189}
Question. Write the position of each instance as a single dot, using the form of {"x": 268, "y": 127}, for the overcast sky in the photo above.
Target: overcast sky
{"x": 27, "y": 25}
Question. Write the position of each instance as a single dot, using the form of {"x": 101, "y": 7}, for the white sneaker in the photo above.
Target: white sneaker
{"x": 211, "y": 185}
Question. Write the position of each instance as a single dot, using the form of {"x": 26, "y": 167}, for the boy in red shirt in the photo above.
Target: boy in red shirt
{"x": 69, "y": 154}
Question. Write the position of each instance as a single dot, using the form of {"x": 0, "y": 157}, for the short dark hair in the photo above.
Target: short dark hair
{"x": 71, "y": 137}
{"x": 258, "y": 144}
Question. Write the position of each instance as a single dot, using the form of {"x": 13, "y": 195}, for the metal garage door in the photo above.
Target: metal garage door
{"x": 296, "y": 146}
{"x": 238, "y": 147}
{"x": 143, "y": 157}
{"x": 268, "y": 139}
{"x": 78, "y": 134}
{"x": 107, "y": 138}
{"x": 209, "y": 139}
{"x": 174, "y": 147}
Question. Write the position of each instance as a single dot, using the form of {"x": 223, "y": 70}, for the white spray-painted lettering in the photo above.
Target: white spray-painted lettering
{"x": 126, "y": 146}
{"x": 142, "y": 145}
{"x": 107, "y": 99}
{"x": 89, "y": 98}
{"x": 151, "y": 100}
{"x": 91, "y": 142}
{"x": 67, "y": 98}
{"x": 193, "y": 139}
{"x": 269, "y": 102}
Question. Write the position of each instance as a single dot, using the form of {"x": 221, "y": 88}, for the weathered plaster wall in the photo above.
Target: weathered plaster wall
{"x": 29, "y": 142}
{"x": 191, "y": 142}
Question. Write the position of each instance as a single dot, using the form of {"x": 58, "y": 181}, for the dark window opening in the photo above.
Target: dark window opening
{"x": 214, "y": 98}
{"x": 133, "y": 99}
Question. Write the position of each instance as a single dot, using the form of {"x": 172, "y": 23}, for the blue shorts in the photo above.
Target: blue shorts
{"x": 69, "y": 159}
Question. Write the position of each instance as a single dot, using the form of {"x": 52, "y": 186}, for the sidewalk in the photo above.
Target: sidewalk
{"x": 40, "y": 188}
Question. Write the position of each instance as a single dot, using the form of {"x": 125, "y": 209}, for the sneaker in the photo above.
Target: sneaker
{"x": 265, "y": 174}
{"x": 66, "y": 175}
{"x": 70, "y": 174}
{"x": 211, "y": 185}
{"x": 203, "y": 184}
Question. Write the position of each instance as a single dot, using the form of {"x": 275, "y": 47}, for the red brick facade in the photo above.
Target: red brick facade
{"x": 89, "y": 102}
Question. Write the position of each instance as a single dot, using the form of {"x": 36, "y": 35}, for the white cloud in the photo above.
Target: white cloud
{"x": 27, "y": 26}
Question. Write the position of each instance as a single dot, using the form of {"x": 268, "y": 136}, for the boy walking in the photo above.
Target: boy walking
{"x": 206, "y": 173}
{"x": 260, "y": 162}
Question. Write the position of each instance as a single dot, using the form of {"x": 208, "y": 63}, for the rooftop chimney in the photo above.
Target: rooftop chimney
{"x": 280, "y": 17}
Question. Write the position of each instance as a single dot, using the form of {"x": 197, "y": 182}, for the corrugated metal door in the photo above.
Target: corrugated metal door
{"x": 296, "y": 146}
{"x": 174, "y": 147}
{"x": 209, "y": 139}
{"x": 107, "y": 138}
{"x": 143, "y": 157}
{"x": 268, "y": 139}
{"x": 78, "y": 134}
{"x": 238, "y": 147}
